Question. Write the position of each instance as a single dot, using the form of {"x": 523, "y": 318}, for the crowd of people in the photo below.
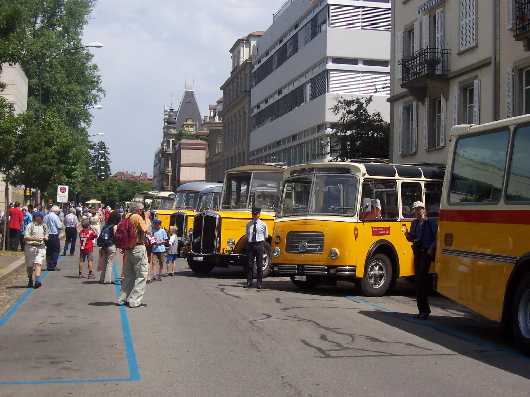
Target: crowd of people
{"x": 148, "y": 253}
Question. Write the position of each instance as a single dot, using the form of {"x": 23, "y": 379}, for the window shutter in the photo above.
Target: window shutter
{"x": 414, "y": 129}
{"x": 443, "y": 112}
{"x": 399, "y": 54}
{"x": 472, "y": 23}
{"x": 476, "y": 102}
{"x": 456, "y": 105}
{"x": 417, "y": 35}
{"x": 425, "y": 31}
{"x": 425, "y": 125}
{"x": 509, "y": 92}
{"x": 400, "y": 123}
{"x": 467, "y": 24}
{"x": 440, "y": 28}
{"x": 509, "y": 14}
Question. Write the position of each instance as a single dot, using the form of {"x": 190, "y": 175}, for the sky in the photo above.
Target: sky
{"x": 151, "y": 49}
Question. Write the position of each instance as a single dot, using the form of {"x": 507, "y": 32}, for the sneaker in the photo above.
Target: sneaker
{"x": 38, "y": 284}
{"x": 137, "y": 306}
{"x": 81, "y": 275}
{"x": 91, "y": 275}
{"x": 30, "y": 283}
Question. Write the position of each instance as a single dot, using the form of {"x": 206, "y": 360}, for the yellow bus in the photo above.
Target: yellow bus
{"x": 483, "y": 248}
{"x": 346, "y": 221}
{"x": 219, "y": 237}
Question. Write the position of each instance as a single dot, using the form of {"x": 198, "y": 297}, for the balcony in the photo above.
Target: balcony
{"x": 427, "y": 65}
{"x": 521, "y": 31}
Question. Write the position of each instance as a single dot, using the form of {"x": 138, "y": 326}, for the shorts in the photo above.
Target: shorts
{"x": 171, "y": 258}
{"x": 34, "y": 255}
{"x": 160, "y": 256}
{"x": 86, "y": 256}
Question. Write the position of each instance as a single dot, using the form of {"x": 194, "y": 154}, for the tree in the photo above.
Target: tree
{"x": 100, "y": 160}
{"x": 358, "y": 133}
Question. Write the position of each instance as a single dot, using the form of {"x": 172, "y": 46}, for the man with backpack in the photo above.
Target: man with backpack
{"x": 107, "y": 248}
{"x": 130, "y": 237}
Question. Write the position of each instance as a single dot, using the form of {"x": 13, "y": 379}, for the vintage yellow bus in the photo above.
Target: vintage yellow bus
{"x": 219, "y": 236}
{"x": 346, "y": 221}
{"x": 483, "y": 248}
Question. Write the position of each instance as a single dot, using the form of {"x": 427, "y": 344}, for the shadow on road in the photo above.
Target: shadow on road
{"x": 223, "y": 274}
{"x": 102, "y": 304}
{"x": 476, "y": 338}
{"x": 17, "y": 287}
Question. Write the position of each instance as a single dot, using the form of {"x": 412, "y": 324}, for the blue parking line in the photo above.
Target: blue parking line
{"x": 134, "y": 372}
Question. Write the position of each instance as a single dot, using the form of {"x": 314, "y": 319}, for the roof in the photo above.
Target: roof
{"x": 197, "y": 186}
{"x": 188, "y": 109}
{"x": 477, "y": 128}
{"x": 420, "y": 171}
{"x": 258, "y": 167}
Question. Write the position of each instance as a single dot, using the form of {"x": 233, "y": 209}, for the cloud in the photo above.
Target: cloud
{"x": 151, "y": 49}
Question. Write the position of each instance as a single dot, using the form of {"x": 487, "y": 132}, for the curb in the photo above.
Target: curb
{"x": 15, "y": 265}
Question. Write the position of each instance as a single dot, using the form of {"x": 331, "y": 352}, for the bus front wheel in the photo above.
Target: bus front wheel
{"x": 377, "y": 275}
{"x": 202, "y": 268}
{"x": 521, "y": 315}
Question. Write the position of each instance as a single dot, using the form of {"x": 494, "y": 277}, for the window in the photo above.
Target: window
{"x": 408, "y": 129}
{"x": 265, "y": 190}
{"x": 379, "y": 200}
{"x": 467, "y": 27}
{"x": 236, "y": 191}
{"x": 478, "y": 168}
{"x": 296, "y": 195}
{"x": 410, "y": 192}
{"x": 468, "y": 104}
{"x": 344, "y": 61}
{"x": 375, "y": 62}
{"x": 433, "y": 196}
{"x": 526, "y": 91}
{"x": 408, "y": 43}
{"x": 319, "y": 85}
{"x": 435, "y": 123}
{"x": 518, "y": 190}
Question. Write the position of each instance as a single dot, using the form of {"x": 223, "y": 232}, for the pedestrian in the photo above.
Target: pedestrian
{"x": 422, "y": 234}
{"x": 53, "y": 246}
{"x": 159, "y": 248}
{"x": 28, "y": 218}
{"x": 16, "y": 226}
{"x": 173, "y": 251}
{"x": 87, "y": 235}
{"x": 107, "y": 248}
{"x": 71, "y": 223}
{"x": 256, "y": 235}
{"x": 95, "y": 221}
{"x": 36, "y": 235}
{"x": 130, "y": 236}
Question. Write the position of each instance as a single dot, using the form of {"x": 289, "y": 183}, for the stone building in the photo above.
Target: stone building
{"x": 236, "y": 102}
{"x": 213, "y": 124}
{"x": 455, "y": 62}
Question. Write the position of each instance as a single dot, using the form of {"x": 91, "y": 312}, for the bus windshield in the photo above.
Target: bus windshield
{"x": 208, "y": 201}
{"x": 320, "y": 194}
{"x": 245, "y": 190}
{"x": 186, "y": 200}
{"x": 166, "y": 204}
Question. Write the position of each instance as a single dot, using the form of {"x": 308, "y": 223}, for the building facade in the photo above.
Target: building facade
{"x": 454, "y": 62}
{"x": 186, "y": 122}
{"x": 236, "y": 103}
{"x": 213, "y": 124}
{"x": 313, "y": 54}
{"x": 15, "y": 91}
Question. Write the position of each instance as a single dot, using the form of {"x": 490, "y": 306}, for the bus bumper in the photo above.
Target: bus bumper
{"x": 316, "y": 270}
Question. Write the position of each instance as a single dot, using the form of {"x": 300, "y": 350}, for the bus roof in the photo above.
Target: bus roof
{"x": 465, "y": 129}
{"x": 419, "y": 171}
{"x": 258, "y": 167}
{"x": 197, "y": 186}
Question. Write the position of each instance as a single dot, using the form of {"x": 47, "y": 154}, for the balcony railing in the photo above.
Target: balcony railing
{"x": 427, "y": 63}
{"x": 522, "y": 19}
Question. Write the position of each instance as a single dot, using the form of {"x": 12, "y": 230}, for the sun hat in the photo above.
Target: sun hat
{"x": 418, "y": 204}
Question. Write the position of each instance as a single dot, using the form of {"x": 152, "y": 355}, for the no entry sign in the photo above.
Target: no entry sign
{"x": 62, "y": 194}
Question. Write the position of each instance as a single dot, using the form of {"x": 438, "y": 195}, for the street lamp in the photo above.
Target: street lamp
{"x": 93, "y": 44}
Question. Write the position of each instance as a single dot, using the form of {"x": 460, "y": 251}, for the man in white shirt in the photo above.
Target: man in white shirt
{"x": 70, "y": 227}
{"x": 256, "y": 236}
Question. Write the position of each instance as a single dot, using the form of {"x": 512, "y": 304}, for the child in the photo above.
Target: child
{"x": 35, "y": 236}
{"x": 87, "y": 235}
{"x": 173, "y": 251}
{"x": 159, "y": 248}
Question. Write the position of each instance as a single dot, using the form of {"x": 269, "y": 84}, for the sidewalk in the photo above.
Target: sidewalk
{"x": 10, "y": 261}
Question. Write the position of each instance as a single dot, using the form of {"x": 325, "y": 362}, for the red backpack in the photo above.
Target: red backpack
{"x": 126, "y": 236}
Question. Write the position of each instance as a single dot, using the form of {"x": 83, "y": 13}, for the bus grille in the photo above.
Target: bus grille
{"x": 305, "y": 242}
{"x": 205, "y": 233}
{"x": 179, "y": 221}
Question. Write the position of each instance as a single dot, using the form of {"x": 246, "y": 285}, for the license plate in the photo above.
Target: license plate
{"x": 300, "y": 278}
{"x": 198, "y": 258}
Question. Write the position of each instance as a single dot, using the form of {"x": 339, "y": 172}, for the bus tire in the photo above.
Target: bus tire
{"x": 201, "y": 268}
{"x": 521, "y": 315}
{"x": 267, "y": 260}
{"x": 377, "y": 275}
{"x": 310, "y": 283}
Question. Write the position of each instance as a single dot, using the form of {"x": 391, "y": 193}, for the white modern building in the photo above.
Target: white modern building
{"x": 314, "y": 53}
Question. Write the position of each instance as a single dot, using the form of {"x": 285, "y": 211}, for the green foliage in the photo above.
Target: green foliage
{"x": 358, "y": 133}
{"x": 9, "y": 130}
{"x": 100, "y": 160}
{"x": 112, "y": 191}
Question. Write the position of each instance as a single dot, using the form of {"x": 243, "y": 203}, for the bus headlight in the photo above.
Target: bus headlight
{"x": 334, "y": 253}
{"x": 231, "y": 243}
{"x": 276, "y": 252}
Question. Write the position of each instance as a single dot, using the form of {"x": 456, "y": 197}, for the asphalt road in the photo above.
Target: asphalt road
{"x": 211, "y": 337}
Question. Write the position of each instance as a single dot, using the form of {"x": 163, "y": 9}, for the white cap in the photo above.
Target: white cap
{"x": 55, "y": 208}
{"x": 418, "y": 204}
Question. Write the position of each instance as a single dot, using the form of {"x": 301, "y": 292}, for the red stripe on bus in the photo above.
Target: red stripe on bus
{"x": 487, "y": 216}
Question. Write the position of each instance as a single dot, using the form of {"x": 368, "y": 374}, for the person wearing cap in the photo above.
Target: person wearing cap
{"x": 35, "y": 236}
{"x": 53, "y": 246}
{"x": 158, "y": 249}
{"x": 135, "y": 266}
{"x": 422, "y": 235}
{"x": 256, "y": 236}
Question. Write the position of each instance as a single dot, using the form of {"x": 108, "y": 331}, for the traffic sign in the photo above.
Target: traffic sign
{"x": 62, "y": 194}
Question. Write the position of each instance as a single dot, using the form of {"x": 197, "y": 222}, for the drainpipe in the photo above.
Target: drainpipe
{"x": 496, "y": 59}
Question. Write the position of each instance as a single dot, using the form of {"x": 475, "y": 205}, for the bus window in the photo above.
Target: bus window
{"x": 410, "y": 192}
{"x": 334, "y": 194}
{"x": 237, "y": 188}
{"x": 296, "y": 196}
{"x": 478, "y": 169}
{"x": 518, "y": 190}
{"x": 379, "y": 200}
{"x": 433, "y": 196}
